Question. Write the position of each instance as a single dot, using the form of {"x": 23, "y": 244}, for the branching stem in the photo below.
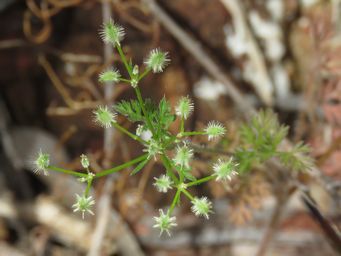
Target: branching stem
{"x": 58, "y": 169}
{"x": 122, "y": 166}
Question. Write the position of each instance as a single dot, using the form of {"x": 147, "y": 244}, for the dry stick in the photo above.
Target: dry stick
{"x": 105, "y": 213}
{"x": 273, "y": 224}
{"x": 104, "y": 203}
{"x": 263, "y": 87}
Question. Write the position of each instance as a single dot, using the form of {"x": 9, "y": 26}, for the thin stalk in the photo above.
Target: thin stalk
{"x": 197, "y": 182}
{"x": 168, "y": 166}
{"x": 58, "y": 169}
{"x": 182, "y": 126}
{"x": 147, "y": 70}
{"x": 122, "y": 166}
{"x": 125, "y": 131}
{"x": 139, "y": 98}
{"x": 125, "y": 80}
{"x": 88, "y": 187}
{"x": 175, "y": 201}
{"x": 123, "y": 57}
{"x": 187, "y": 194}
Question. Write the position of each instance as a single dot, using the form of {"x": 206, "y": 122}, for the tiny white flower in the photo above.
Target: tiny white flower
{"x": 135, "y": 70}
{"x": 83, "y": 204}
{"x": 157, "y": 60}
{"x": 214, "y": 130}
{"x": 201, "y": 207}
{"x": 110, "y": 76}
{"x": 163, "y": 183}
{"x": 224, "y": 170}
{"x": 143, "y": 132}
{"x": 140, "y": 128}
{"x": 42, "y": 163}
{"x": 88, "y": 178}
{"x": 85, "y": 161}
{"x": 164, "y": 222}
{"x": 184, "y": 107}
{"x": 134, "y": 82}
{"x": 104, "y": 117}
{"x": 112, "y": 33}
{"x": 183, "y": 156}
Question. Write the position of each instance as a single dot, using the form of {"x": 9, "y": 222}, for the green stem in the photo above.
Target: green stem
{"x": 182, "y": 134}
{"x": 182, "y": 126}
{"x": 58, "y": 169}
{"x": 139, "y": 98}
{"x": 168, "y": 166}
{"x": 123, "y": 57}
{"x": 197, "y": 182}
{"x": 131, "y": 135}
{"x": 175, "y": 201}
{"x": 122, "y": 166}
{"x": 125, "y": 80}
{"x": 147, "y": 70}
{"x": 187, "y": 194}
{"x": 88, "y": 187}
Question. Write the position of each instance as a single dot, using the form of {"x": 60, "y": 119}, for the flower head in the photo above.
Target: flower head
{"x": 41, "y": 163}
{"x": 164, "y": 222}
{"x": 85, "y": 161}
{"x": 201, "y": 206}
{"x": 112, "y": 33}
{"x": 83, "y": 204}
{"x": 134, "y": 82}
{"x": 88, "y": 178}
{"x": 224, "y": 170}
{"x": 184, "y": 108}
{"x": 183, "y": 156}
{"x": 157, "y": 60}
{"x": 163, "y": 183}
{"x": 110, "y": 76}
{"x": 154, "y": 148}
{"x": 214, "y": 130}
{"x": 104, "y": 117}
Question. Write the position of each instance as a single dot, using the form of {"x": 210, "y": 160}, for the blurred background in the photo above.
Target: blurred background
{"x": 229, "y": 56}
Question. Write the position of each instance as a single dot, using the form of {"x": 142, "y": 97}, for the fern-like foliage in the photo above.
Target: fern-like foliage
{"x": 297, "y": 158}
{"x": 132, "y": 109}
{"x": 264, "y": 133}
{"x": 260, "y": 140}
{"x": 160, "y": 115}
{"x": 164, "y": 117}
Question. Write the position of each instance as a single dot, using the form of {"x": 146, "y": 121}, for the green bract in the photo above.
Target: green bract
{"x": 83, "y": 204}
{"x": 104, "y": 117}
{"x": 110, "y": 76}
{"x": 42, "y": 163}
{"x": 184, "y": 108}
{"x": 154, "y": 148}
{"x": 164, "y": 222}
{"x": 224, "y": 170}
{"x": 163, "y": 183}
{"x": 214, "y": 130}
{"x": 201, "y": 207}
{"x": 157, "y": 60}
{"x": 112, "y": 33}
{"x": 183, "y": 156}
